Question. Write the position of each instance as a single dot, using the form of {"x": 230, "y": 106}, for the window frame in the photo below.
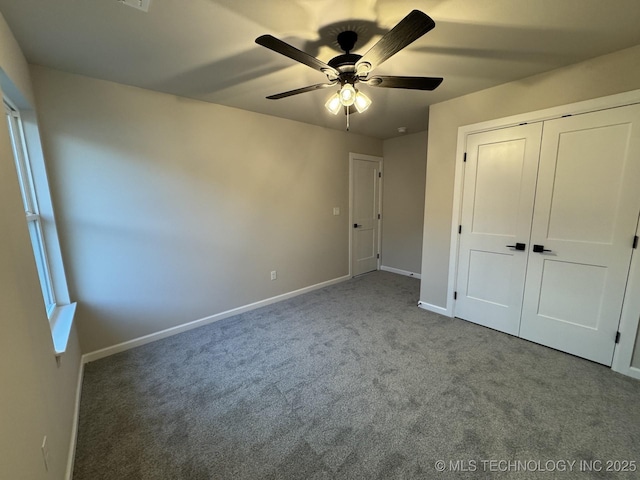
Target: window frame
{"x": 30, "y": 203}
{"x": 36, "y": 200}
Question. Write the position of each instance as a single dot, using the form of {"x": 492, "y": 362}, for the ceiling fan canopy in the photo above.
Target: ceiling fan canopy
{"x": 348, "y": 69}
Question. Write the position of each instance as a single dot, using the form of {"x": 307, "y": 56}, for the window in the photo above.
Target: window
{"x": 30, "y": 202}
{"x": 39, "y": 217}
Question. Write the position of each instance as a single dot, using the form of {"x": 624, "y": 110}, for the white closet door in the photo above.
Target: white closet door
{"x": 497, "y": 205}
{"x": 586, "y": 212}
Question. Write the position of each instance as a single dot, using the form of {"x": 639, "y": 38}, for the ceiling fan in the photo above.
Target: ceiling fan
{"x": 349, "y": 69}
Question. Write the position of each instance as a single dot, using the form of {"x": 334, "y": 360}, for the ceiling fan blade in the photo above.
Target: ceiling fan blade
{"x": 410, "y": 28}
{"x": 283, "y": 48}
{"x": 310, "y": 88}
{"x": 411, "y": 83}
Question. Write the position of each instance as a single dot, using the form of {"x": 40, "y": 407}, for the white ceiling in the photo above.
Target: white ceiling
{"x": 205, "y": 49}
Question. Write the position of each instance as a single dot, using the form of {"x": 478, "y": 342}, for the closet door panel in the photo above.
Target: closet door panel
{"x": 586, "y": 211}
{"x": 497, "y": 206}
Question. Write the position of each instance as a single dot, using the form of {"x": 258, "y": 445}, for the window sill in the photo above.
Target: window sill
{"x": 61, "y": 322}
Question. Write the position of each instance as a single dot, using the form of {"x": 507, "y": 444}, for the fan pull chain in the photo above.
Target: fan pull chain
{"x": 347, "y": 109}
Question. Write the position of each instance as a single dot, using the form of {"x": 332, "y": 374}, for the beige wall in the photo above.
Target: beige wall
{"x": 36, "y": 396}
{"x": 614, "y": 73}
{"x": 172, "y": 210}
{"x": 15, "y": 69}
{"x": 405, "y": 161}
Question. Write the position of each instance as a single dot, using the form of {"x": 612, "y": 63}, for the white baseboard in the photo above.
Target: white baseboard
{"x": 400, "y": 272}
{"x": 136, "y": 342}
{"x": 434, "y": 308}
{"x": 74, "y": 427}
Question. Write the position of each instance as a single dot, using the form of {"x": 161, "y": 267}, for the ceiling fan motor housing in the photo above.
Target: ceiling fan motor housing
{"x": 346, "y": 63}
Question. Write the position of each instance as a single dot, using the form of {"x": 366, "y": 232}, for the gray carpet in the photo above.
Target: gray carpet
{"x": 353, "y": 382}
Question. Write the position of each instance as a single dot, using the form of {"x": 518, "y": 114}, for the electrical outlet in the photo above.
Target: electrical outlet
{"x": 45, "y": 453}
{"x": 274, "y": 275}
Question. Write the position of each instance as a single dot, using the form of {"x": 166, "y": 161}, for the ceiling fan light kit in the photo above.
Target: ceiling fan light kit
{"x": 348, "y": 69}
{"x": 346, "y": 97}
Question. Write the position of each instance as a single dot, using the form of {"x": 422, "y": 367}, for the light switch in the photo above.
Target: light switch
{"x": 336, "y": 210}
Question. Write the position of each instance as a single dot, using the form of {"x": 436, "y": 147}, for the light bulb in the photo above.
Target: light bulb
{"x": 347, "y": 95}
{"x": 362, "y": 102}
{"x": 333, "y": 104}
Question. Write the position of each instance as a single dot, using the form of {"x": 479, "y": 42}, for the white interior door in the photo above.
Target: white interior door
{"x": 365, "y": 190}
{"x": 497, "y": 205}
{"x": 586, "y": 212}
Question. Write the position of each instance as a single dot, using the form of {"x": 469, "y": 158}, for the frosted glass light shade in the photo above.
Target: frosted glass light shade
{"x": 333, "y": 104}
{"x": 347, "y": 95}
{"x": 362, "y": 102}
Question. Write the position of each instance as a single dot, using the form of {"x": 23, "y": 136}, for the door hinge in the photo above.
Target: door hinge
{"x": 378, "y": 255}
{"x": 455, "y": 295}
{"x": 378, "y": 216}
{"x": 635, "y": 241}
{"x": 379, "y": 174}
{"x": 459, "y": 228}
{"x": 464, "y": 159}
{"x": 617, "y": 337}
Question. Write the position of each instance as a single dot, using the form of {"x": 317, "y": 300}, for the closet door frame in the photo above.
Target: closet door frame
{"x": 629, "y": 323}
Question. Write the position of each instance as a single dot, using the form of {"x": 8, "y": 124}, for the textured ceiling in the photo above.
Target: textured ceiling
{"x": 204, "y": 49}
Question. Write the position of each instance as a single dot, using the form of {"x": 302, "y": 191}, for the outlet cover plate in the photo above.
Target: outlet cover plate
{"x": 139, "y": 4}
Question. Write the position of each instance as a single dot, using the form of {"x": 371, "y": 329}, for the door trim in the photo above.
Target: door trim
{"x": 629, "y": 324}
{"x": 631, "y": 309}
{"x": 370, "y": 158}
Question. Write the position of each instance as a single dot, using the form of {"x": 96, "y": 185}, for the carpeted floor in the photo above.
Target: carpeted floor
{"x": 353, "y": 381}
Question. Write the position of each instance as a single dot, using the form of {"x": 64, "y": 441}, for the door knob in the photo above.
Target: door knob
{"x": 356, "y": 225}
{"x": 540, "y": 249}
{"x": 518, "y": 246}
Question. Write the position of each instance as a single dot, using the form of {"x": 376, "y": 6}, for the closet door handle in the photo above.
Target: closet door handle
{"x": 540, "y": 249}
{"x": 518, "y": 246}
